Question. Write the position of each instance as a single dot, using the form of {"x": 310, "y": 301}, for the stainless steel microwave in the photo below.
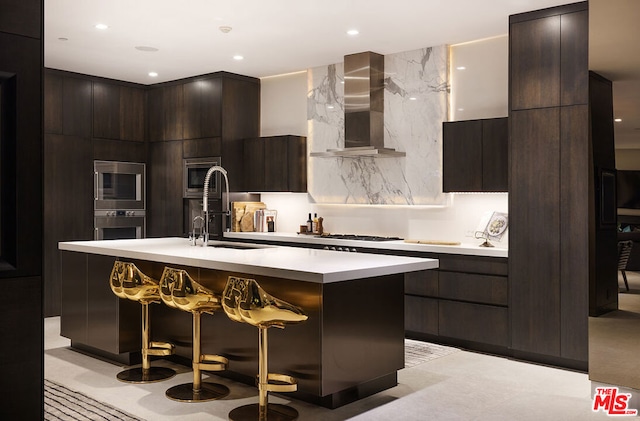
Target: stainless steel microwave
{"x": 194, "y": 172}
{"x": 119, "y": 185}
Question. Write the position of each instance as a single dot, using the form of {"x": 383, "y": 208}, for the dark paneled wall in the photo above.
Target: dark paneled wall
{"x": 21, "y": 321}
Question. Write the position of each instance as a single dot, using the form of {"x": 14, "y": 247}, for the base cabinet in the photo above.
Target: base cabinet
{"x": 464, "y": 303}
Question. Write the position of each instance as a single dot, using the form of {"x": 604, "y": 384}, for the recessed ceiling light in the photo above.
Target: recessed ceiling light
{"x": 617, "y": 120}
{"x": 460, "y": 68}
{"x": 353, "y": 32}
{"x": 102, "y": 26}
{"x": 330, "y": 107}
{"x": 153, "y": 74}
{"x": 146, "y": 49}
{"x": 413, "y": 98}
{"x": 238, "y": 57}
{"x": 460, "y": 109}
{"x": 225, "y": 29}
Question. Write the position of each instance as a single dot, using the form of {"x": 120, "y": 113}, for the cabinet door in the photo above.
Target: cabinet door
{"x": 106, "y": 110}
{"x": 164, "y": 214}
{"x": 420, "y": 315}
{"x": 254, "y": 163}
{"x": 52, "y": 103}
{"x": 76, "y": 107}
{"x": 534, "y": 213}
{"x": 202, "y": 104}
{"x": 535, "y": 63}
{"x": 132, "y": 114}
{"x": 173, "y": 112}
{"x": 474, "y": 322}
{"x": 495, "y": 157}
{"x": 297, "y": 155}
{"x": 574, "y": 67}
{"x": 155, "y": 115}
{"x": 276, "y": 163}
{"x": 462, "y": 156}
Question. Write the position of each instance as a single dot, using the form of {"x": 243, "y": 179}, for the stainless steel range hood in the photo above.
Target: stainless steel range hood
{"x": 363, "y": 108}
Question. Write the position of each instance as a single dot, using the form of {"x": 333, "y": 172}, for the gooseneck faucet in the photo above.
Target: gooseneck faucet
{"x": 205, "y": 201}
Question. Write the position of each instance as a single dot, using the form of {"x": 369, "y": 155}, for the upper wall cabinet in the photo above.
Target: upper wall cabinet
{"x": 549, "y": 59}
{"x": 118, "y": 112}
{"x": 474, "y": 154}
{"x": 202, "y": 108}
{"x": 222, "y": 107}
{"x": 275, "y": 164}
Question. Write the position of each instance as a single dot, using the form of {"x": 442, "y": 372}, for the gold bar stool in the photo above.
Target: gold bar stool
{"x": 128, "y": 282}
{"x": 245, "y": 301}
{"x": 179, "y": 290}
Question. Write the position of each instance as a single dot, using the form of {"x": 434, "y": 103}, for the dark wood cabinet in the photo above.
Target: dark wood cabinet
{"x": 164, "y": 201}
{"x": 202, "y": 105}
{"x": 97, "y": 327}
{"x": 549, "y": 57}
{"x": 68, "y": 205}
{"x": 118, "y": 112}
{"x": 106, "y": 110}
{"x": 52, "y": 103}
{"x": 551, "y": 186}
{"x": 465, "y": 302}
{"x": 275, "y": 164}
{"x": 132, "y": 114}
{"x": 475, "y": 155}
{"x": 76, "y": 106}
{"x": 172, "y": 112}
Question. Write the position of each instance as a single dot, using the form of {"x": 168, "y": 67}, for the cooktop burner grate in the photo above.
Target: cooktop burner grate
{"x": 360, "y": 237}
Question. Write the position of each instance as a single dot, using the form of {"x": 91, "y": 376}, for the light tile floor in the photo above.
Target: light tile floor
{"x": 460, "y": 386}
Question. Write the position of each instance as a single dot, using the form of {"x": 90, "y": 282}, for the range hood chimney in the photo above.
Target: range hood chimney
{"x": 363, "y": 108}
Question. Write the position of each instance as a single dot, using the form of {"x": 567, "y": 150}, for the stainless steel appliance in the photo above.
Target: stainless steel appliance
{"x": 194, "y": 173}
{"x": 119, "y": 200}
{"x": 119, "y": 185}
{"x": 119, "y": 224}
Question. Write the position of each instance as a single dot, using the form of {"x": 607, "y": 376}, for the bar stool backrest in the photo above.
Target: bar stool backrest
{"x": 127, "y": 281}
{"x": 188, "y": 295}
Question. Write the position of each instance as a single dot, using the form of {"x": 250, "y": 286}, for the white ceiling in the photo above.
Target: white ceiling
{"x": 282, "y": 36}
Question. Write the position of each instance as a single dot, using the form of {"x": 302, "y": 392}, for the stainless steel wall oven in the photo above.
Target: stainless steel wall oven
{"x": 119, "y": 200}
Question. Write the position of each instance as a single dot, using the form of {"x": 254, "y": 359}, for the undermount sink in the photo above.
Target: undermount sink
{"x": 237, "y": 246}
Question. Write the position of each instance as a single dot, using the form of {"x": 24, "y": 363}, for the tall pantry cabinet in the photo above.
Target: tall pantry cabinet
{"x": 552, "y": 185}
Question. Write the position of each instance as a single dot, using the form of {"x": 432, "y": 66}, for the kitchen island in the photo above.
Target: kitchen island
{"x": 351, "y": 346}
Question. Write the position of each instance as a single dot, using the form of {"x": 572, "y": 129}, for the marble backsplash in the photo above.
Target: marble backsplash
{"x": 415, "y": 105}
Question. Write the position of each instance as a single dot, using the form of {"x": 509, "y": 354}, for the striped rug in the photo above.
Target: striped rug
{"x": 61, "y": 403}
{"x": 418, "y": 352}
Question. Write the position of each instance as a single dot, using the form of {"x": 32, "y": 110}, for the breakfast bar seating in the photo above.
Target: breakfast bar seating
{"x": 128, "y": 282}
{"x": 187, "y": 295}
{"x": 244, "y": 301}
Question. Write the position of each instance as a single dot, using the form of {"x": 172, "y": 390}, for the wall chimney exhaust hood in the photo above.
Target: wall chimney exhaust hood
{"x": 363, "y": 109}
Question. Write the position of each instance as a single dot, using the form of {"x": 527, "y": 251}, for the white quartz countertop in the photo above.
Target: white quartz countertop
{"x": 296, "y": 263}
{"x": 472, "y": 249}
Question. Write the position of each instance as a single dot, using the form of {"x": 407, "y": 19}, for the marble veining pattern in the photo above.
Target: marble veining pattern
{"x": 415, "y": 105}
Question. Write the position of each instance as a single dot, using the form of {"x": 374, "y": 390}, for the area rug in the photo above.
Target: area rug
{"x": 418, "y": 352}
{"x": 61, "y": 403}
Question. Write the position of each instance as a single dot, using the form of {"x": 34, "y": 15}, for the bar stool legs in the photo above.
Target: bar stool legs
{"x": 146, "y": 373}
{"x": 200, "y": 391}
{"x": 267, "y": 382}
{"x": 178, "y": 290}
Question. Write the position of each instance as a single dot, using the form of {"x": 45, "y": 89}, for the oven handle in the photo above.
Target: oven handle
{"x": 95, "y": 186}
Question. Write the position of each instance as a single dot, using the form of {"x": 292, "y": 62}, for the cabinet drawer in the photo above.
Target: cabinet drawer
{"x": 474, "y": 264}
{"x": 486, "y": 289}
{"x": 473, "y": 322}
{"x": 423, "y": 283}
{"x": 420, "y": 315}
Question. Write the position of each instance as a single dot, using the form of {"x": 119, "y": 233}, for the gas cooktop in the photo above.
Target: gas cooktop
{"x": 359, "y": 237}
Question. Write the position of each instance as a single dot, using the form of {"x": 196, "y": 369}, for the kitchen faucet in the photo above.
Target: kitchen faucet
{"x": 205, "y": 202}
{"x": 194, "y": 237}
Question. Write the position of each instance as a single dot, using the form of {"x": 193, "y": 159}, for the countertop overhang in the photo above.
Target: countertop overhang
{"x": 286, "y": 237}
{"x": 311, "y": 265}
